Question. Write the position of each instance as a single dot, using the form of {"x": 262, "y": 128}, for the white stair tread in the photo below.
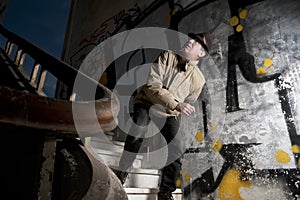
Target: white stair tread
{"x": 141, "y": 171}
{"x": 118, "y": 143}
{"x": 106, "y": 141}
{"x": 148, "y": 194}
{"x": 142, "y": 181}
{"x": 141, "y": 190}
{"x": 145, "y": 171}
{"x": 112, "y": 153}
{"x": 147, "y": 191}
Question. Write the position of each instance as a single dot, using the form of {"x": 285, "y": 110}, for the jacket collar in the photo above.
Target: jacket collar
{"x": 193, "y": 62}
{"x": 183, "y": 62}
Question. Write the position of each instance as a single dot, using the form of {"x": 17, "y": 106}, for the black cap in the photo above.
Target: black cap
{"x": 201, "y": 37}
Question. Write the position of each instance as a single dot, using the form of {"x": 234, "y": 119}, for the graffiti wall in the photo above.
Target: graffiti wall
{"x": 250, "y": 137}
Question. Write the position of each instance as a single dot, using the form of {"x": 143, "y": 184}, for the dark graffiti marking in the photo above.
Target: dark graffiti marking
{"x": 130, "y": 19}
{"x": 237, "y": 55}
{"x": 177, "y": 16}
{"x": 98, "y": 32}
{"x": 115, "y": 21}
{"x": 235, "y": 155}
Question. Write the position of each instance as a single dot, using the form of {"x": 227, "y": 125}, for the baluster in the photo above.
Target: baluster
{"x": 22, "y": 58}
{"x": 18, "y": 56}
{"x": 8, "y": 48}
{"x": 42, "y": 80}
{"x": 34, "y": 72}
{"x": 72, "y": 96}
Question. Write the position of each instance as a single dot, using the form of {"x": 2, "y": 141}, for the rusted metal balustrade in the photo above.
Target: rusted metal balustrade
{"x": 107, "y": 107}
{"x": 52, "y": 120}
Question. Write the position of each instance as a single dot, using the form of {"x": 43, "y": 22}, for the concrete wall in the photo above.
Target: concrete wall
{"x": 252, "y": 82}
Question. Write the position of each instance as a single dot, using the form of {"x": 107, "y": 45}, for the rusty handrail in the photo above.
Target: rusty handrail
{"x": 37, "y": 112}
{"x": 53, "y": 115}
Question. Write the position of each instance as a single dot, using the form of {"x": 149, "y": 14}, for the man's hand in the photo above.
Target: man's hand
{"x": 185, "y": 108}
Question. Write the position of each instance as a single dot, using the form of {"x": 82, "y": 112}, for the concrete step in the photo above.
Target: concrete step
{"x": 138, "y": 177}
{"x": 148, "y": 194}
{"x": 106, "y": 137}
{"x": 141, "y": 183}
{"x": 107, "y": 145}
{"x": 112, "y": 158}
{"x": 143, "y": 178}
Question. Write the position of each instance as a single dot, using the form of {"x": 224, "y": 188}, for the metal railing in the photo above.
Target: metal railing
{"x": 107, "y": 104}
{"x": 61, "y": 70}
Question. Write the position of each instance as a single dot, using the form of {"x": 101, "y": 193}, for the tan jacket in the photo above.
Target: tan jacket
{"x": 169, "y": 84}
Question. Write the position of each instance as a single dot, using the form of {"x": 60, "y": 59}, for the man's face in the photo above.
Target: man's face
{"x": 193, "y": 50}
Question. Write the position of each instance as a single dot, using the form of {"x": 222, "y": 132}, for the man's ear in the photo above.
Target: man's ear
{"x": 202, "y": 54}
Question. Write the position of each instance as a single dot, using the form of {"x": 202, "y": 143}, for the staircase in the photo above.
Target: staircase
{"x": 142, "y": 183}
{"x": 47, "y": 153}
{"x": 15, "y": 83}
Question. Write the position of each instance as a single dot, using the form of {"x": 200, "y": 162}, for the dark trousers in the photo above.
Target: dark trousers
{"x": 135, "y": 138}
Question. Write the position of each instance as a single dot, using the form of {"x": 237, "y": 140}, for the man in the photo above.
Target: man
{"x": 175, "y": 82}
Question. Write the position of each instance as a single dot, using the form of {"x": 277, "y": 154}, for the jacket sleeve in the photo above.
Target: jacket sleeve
{"x": 155, "y": 90}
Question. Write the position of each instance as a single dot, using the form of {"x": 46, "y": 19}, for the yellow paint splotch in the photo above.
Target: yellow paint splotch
{"x": 239, "y": 28}
{"x": 217, "y": 145}
{"x": 234, "y": 21}
{"x": 267, "y": 65}
{"x": 261, "y": 71}
{"x": 200, "y": 136}
{"x": 282, "y": 157}
{"x": 187, "y": 177}
{"x": 295, "y": 148}
{"x": 268, "y": 62}
{"x": 243, "y": 14}
{"x": 178, "y": 183}
{"x": 230, "y": 186}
